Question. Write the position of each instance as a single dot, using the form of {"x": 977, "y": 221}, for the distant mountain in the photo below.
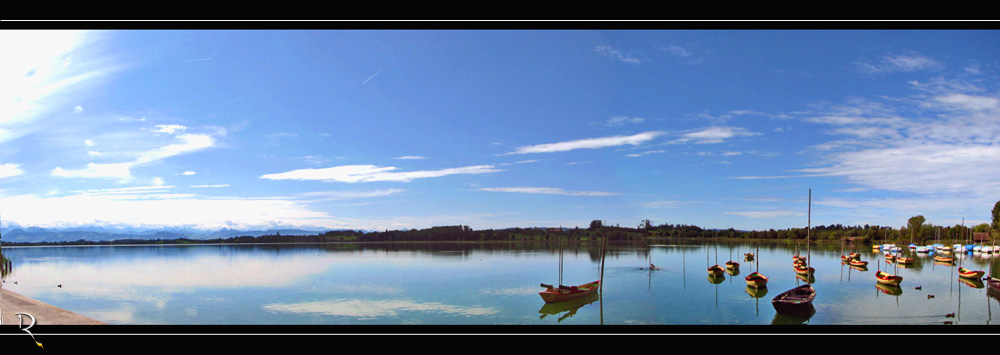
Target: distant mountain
{"x": 19, "y": 234}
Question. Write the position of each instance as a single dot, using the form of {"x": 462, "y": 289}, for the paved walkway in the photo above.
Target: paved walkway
{"x": 11, "y": 303}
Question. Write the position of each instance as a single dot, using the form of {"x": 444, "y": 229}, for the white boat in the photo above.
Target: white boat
{"x": 977, "y": 249}
{"x": 922, "y": 249}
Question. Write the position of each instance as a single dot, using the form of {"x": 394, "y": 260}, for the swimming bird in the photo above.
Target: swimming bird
{"x": 59, "y": 285}
{"x": 930, "y": 296}
{"x": 949, "y": 315}
{"x": 918, "y": 287}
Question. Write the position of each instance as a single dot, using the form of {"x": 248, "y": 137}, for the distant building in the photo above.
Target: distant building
{"x": 980, "y": 237}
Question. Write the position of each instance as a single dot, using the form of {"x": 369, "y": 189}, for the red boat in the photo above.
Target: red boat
{"x": 887, "y": 279}
{"x": 568, "y": 293}
{"x": 858, "y": 263}
{"x": 716, "y": 270}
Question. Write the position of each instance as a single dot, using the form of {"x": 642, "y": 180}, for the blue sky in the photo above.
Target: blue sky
{"x": 393, "y": 129}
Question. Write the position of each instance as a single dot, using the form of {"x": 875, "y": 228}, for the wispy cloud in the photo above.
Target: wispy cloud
{"x": 169, "y": 129}
{"x": 622, "y": 120}
{"x": 677, "y": 50}
{"x": 410, "y": 157}
{"x": 589, "y": 143}
{"x": 548, "y": 191}
{"x": 617, "y": 54}
{"x": 122, "y": 171}
{"x": 208, "y": 186}
{"x": 635, "y": 155}
{"x": 345, "y": 195}
{"x": 909, "y": 62}
{"x": 370, "y": 173}
{"x": 715, "y": 134}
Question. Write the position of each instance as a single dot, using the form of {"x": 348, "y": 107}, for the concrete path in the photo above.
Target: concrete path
{"x": 11, "y": 303}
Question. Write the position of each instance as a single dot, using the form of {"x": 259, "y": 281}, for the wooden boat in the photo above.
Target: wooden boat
{"x": 890, "y": 257}
{"x": 756, "y": 280}
{"x": 716, "y": 270}
{"x": 993, "y": 284}
{"x": 798, "y": 259}
{"x": 903, "y": 260}
{"x": 859, "y": 268}
{"x": 887, "y": 279}
{"x": 855, "y": 256}
{"x": 803, "y": 270}
{"x": 568, "y": 293}
{"x": 858, "y": 263}
{"x": 748, "y": 256}
{"x": 795, "y": 301}
{"x": 944, "y": 259}
{"x": 732, "y": 265}
{"x": 970, "y": 274}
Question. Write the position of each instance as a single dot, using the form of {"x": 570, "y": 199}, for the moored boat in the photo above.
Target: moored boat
{"x": 756, "y": 280}
{"x": 904, "y": 260}
{"x": 944, "y": 259}
{"x": 858, "y": 263}
{"x": 795, "y": 301}
{"x": 568, "y": 293}
{"x": 716, "y": 270}
{"x": 804, "y": 270}
{"x": 887, "y": 279}
{"x": 732, "y": 265}
{"x": 970, "y": 274}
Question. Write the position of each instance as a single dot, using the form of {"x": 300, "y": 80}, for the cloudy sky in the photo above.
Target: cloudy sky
{"x": 396, "y": 129}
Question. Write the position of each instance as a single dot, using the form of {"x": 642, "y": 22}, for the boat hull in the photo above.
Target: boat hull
{"x": 795, "y": 301}
{"x": 756, "y": 280}
{"x": 970, "y": 274}
{"x": 552, "y": 295}
{"x": 886, "y": 279}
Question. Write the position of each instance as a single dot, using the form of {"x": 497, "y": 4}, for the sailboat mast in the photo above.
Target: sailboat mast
{"x": 808, "y": 229}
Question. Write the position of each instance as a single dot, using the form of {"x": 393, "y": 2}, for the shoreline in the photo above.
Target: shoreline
{"x": 44, "y": 313}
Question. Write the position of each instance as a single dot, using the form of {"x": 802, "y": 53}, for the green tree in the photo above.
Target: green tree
{"x": 914, "y": 224}
{"x": 996, "y": 216}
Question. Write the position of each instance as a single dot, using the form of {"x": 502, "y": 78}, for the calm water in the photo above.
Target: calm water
{"x": 480, "y": 284}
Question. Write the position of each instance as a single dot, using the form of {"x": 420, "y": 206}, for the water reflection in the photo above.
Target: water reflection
{"x": 794, "y": 319}
{"x": 469, "y": 283}
{"x": 569, "y": 307}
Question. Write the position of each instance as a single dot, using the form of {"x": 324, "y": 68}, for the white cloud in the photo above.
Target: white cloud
{"x": 8, "y": 170}
{"x": 370, "y": 309}
{"x": 119, "y": 171}
{"x": 369, "y": 173}
{"x": 548, "y": 191}
{"x": 169, "y": 129}
{"x": 622, "y": 120}
{"x": 48, "y": 71}
{"x": 188, "y": 173}
{"x": 617, "y": 54}
{"x": 677, "y": 50}
{"x": 714, "y": 134}
{"x": 122, "y": 171}
{"x": 634, "y": 155}
{"x": 88, "y": 142}
{"x": 205, "y": 186}
{"x": 77, "y": 109}
{"x": 344, "y": 195}
{"x": 150, "y": 207}
{"x": 157, "y": 181}
{"x": 910, "y": 62}
{"x": 410, "y": 157}
{"x": 589, "y": 143}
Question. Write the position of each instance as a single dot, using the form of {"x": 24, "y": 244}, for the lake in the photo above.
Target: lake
{"x": 491, "y": 284}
